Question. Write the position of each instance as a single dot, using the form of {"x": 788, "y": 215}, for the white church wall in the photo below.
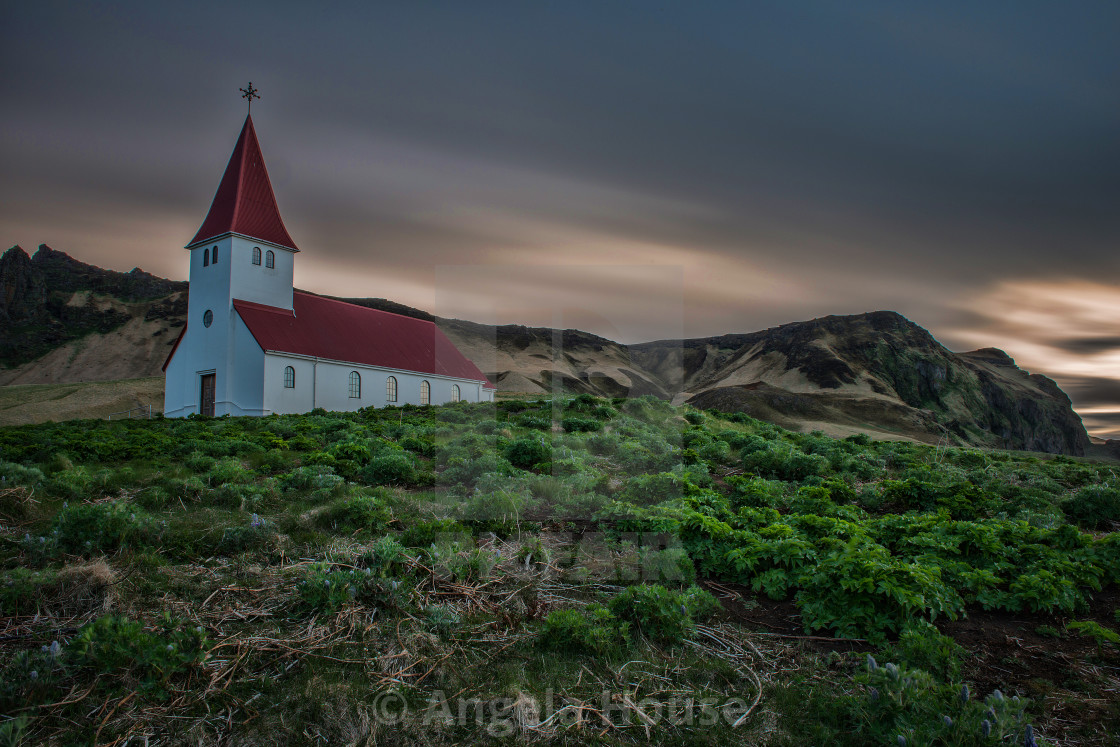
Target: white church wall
{"x": 202, "y": 348}
{"x": 326, "y": 384}
{"x": 244, "y": 390}
{"x": 280, "y": 399}
{"x": 271, "y": 286}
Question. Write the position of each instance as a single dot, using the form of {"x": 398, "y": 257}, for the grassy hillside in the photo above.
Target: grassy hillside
{"x": 38, "y": 403}
{"x": 574, "y": 571}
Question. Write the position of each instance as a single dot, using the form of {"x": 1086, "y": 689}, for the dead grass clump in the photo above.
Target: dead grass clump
{"x": 16, "y": 505}
{"x": 85, "y": 589}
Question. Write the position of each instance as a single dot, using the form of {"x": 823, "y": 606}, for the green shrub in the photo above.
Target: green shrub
{"x": 1094, "y": 506}
{"x": 899, "y": 705}
{"x": 922, "y": 646}
{"x": 580, "y": 425}
{"x": 16, "y": 474}
{"x": 362, "y": 511}
{"x": 424, "y": 447}
{"x": 425, "y": 533}
{"x": 528, "y": 452}
{"x": 534, "y": 422}
{"x": 88, "y": 528}
{"x": 384, "y": 558}
{"x": 326, "y": 588}
{"x": 466, "y": 472}
{"x": 255, "y": 535}
{"x": 119, "y": 646}
{"x": 317, "y": 477}
{"x": 21, "y": 591}
{"x": 1096, "y": 631}
{"x": 390, "y": 469}
{"x": 595, "y": 631}
{"x": 662, "y": 614}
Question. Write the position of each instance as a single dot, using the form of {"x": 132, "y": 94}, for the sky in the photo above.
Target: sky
{"x": 641, "y": 170}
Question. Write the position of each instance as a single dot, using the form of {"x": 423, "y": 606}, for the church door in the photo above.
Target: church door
{"x": 206, "y": 406}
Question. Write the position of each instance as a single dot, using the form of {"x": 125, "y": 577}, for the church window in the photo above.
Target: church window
{"x": 269, "y": 259}
{"x": 207, "y": 318}
{"x": 355, "y": 382}
{"x": 256, "y": 255}
{"x": 289, "y": 378}
{"x": 425, "y": 393}
{"x": 391, "y": 389}
{"x": 205, "y": 257}
{"x": 454, "y": 392}
{"x": 214, "y": 255}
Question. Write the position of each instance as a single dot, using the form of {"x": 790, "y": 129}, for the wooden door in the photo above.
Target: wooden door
{"x": 206, "y": 403}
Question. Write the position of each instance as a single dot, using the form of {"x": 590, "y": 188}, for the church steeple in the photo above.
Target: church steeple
{"x": 244, "y": 203}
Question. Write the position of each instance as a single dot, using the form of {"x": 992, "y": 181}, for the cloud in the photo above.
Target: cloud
{"x": 1089, "y": 345}
{"x": 1066, "y": 328}
{"x": 1091, "y": 392}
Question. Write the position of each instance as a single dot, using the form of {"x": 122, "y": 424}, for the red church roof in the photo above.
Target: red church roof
{"x": 340, "y": 331}
{"x": 244, "y": 202}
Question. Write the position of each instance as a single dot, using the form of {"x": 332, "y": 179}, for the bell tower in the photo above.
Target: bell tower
{"x": 241, "y": 252}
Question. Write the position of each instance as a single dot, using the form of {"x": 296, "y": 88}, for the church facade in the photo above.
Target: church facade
{"x": 253, "y": 345}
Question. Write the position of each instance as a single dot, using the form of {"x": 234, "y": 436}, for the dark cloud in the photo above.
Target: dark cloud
{"x": 1091, "y": 391}
{"x": 1103, "y": 425}
{"x": 793, "y": 159}
{"x": 1089, "y": 345}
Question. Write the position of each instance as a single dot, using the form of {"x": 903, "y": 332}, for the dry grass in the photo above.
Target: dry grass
{"x": 40, "y": 403}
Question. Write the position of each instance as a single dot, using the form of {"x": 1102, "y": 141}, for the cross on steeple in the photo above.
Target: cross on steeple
{"x": 249, "y": 93}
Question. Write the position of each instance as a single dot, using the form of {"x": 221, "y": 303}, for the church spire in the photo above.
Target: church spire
{"x": 244, "y": 203}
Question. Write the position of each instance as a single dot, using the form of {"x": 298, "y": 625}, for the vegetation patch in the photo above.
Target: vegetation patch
{"x": 562, "y": 571}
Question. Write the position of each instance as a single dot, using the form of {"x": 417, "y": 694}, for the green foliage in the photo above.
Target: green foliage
{"x": 662, "y": 614}
{"x": 328, "y": 588}
{"x": 1096, "y": 631}
{"x": 576, "y": 424}
{"x": 311, "y": 478}
{"x": 595, "y": 631}
{"x": 12, "y": 474}
{"x": 255, "y": 535}
{"x": 88, "y": 528}
{"x": 426, "y": 533}
{"x": 898, "y": 705}
{"x": 526, "y": 453}
{"x": 1094, "y": 506}
{"x": 922, "y": 646}
{"x": 21, "y": 591}
{"x": 123, "y": 647}
{"x": 860, "y": 590}
{"x": 390, "y": 469}
{"x": 358, "y": 511}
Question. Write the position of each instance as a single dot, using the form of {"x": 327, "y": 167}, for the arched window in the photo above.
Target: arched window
{"x": 355, "y": 382}
{"x": 425, "y": 393}
{"x": 207, "y": 318}
{"x": 256, "y": 255}
{"x": 205, "y": 257}
{"x": 269, "y": 259}
{"x": 214, "y": 255}
{"x": 454, "y": 392}
{"x": 391, "y": 389}
{"x": 289, "y": 378}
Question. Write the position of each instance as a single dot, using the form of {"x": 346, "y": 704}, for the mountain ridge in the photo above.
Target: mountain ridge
{"x": 62, "y": 320}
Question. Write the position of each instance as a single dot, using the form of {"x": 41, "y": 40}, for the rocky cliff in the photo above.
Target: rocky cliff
{"x": 52, "y": 299}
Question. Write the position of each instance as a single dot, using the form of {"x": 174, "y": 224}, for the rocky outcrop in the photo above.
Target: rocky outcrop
{"x": 51, "y": 299}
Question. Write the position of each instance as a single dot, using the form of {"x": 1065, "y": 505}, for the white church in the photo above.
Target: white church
{"x": 253, "y": 345}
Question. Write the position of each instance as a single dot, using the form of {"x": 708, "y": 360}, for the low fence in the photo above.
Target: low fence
{"x": 143, "y": 412}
